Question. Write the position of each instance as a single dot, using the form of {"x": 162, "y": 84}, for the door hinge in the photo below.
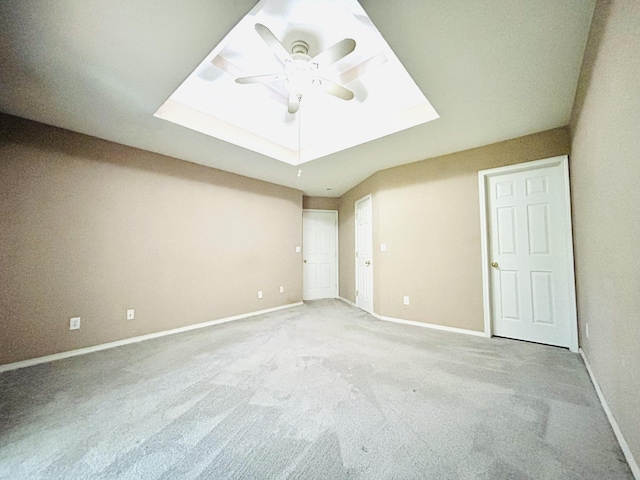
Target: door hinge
{"x": 356, "y": 293}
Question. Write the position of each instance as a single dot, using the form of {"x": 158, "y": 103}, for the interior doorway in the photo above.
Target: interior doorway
{"x": 320, "y": 254}
{"x": 528, "y": 275}
{"x": 364, "y": 254}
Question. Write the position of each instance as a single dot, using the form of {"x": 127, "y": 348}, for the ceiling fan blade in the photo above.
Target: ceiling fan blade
{"x": 332, "y": 54}
{"x": 334, "y": 89}
{"x": 294, "y": 102}
{"x": 274, "y": 44}
{"x": 272, "y": 77}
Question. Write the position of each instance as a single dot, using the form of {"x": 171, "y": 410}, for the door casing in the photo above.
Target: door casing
{"x": 483, "y": 177}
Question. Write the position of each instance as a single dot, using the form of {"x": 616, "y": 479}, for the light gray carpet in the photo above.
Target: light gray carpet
{"x": 318, "y": 391}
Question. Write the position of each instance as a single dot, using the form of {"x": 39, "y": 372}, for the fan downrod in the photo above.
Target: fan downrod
{"x": 300, "y": 46}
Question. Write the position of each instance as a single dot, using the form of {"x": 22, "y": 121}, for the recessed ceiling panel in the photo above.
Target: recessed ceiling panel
{"x": 255, "y": 116}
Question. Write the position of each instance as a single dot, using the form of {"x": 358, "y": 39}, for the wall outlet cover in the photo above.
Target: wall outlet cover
{"x": 259, "y": 293}
{"x": 281, "y": 289}
{"x": 74, "y": 323}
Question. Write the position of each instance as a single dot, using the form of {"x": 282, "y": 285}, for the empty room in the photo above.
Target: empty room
{"x": 319, "y": 239}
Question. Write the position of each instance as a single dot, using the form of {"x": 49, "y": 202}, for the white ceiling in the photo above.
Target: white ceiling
{"x": 493, "y": 70}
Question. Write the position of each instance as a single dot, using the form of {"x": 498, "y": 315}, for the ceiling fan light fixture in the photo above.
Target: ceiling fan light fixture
{"x": 300, "y": 70}
{"x": 300, "y": 80}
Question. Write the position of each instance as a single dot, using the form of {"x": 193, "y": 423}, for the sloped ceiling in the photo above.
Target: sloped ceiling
{"x": 493, "y": 71}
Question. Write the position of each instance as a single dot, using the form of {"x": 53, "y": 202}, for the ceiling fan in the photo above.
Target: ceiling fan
{"x": 301, "y": 72}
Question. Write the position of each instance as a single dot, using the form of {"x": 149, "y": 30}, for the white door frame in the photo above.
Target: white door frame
{"x": 335, "y": 215}
{"x": 483, "y": 177}
{"x": 355, "y": 206}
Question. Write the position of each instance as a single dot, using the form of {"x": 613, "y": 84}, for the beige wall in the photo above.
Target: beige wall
{"x": 320, "y": 203}
{"x": 428, "y": 215}
{"x": 90, "y": 228}
{"x": 605, "y": 181}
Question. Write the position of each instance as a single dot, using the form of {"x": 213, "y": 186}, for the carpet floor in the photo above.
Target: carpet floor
{"x": 320, "y": 391}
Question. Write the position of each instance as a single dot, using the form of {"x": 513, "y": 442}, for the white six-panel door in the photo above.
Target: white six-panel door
{"x": 364, "y": 254}
{"x": 320, "y": 258}
{"x": 530, "y": 258}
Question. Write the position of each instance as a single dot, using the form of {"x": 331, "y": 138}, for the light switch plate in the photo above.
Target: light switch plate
{"x": 383, "y": 247}
{"x": 406, "y": 300}
{"x": 298, "y": 249}
{"x": 131, "y": 314}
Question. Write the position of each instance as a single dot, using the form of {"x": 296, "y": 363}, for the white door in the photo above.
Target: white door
{"x": 530, "y": 256}
{"x": 320, "y": 257}
{"x": 364, "y": 255}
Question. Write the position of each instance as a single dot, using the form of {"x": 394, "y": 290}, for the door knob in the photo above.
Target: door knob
{"x": 494, "y": 264}
{"x": 305, "y": 260}
{"x": 367, "y": 263}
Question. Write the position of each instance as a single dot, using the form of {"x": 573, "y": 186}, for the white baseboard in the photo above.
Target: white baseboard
{"x": 433, "y": 326}
{"x": 421, "y": 324}
{"x": 616, "y": 428}
{"x": 142, "y": 338}
{"x": 347, "y": 301}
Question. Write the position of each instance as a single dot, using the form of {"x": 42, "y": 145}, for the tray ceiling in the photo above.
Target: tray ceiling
{"x": 386, "y": 101}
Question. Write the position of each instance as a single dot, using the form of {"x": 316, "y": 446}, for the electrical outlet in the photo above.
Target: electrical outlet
{"x": 131, "y": 314}
{"x": 406, "y": 300}
{"x": 281, "y": 289}
{"x": 259, "y": 293}
{"x": 74, "y": 323}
